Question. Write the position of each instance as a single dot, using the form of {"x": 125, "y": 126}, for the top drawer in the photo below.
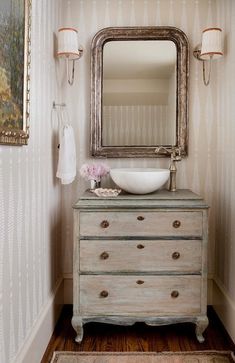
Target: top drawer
{"x": 143, "y": 224}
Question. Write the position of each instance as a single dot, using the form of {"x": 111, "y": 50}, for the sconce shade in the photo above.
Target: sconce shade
{"x": 211, "y": 44}
{"x": 68, "y": 43}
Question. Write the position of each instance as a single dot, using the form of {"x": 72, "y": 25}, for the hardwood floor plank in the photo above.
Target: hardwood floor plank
{"x": 140, "y": 337}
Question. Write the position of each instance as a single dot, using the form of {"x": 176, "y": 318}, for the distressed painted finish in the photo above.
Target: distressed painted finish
{"x": 156, "y": 273}
{"x": 138, "y": 33}
{"x": 139, "y": 294}
{"x": 143, "y": 256}
{"x": 141, "y": 223}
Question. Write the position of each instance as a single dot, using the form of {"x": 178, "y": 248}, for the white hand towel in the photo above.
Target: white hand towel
{"x": 66, "y": 169}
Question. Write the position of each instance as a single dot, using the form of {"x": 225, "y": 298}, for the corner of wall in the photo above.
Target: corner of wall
{"x": 224, "y": 307}
{"x": 34, "y": 347}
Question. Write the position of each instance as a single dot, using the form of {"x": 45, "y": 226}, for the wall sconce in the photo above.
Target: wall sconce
{"x": 210, "y": 49}
{"x": 69, "y": 49}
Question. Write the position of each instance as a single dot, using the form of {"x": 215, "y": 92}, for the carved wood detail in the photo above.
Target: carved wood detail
{"x": 138, "y": 33}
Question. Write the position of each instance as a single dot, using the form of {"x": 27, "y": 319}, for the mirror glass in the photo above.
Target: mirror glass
{"x": 138, "y": 95}
{"x": 139, "y": 92}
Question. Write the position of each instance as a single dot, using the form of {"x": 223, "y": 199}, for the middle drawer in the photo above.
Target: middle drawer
{"x": 142, "y": 256}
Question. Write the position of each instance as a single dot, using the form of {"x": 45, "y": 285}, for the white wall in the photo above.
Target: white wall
{"x": 30, "y": 205}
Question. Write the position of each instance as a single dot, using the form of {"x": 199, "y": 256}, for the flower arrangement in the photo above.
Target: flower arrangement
{"x": 94, "y": 172}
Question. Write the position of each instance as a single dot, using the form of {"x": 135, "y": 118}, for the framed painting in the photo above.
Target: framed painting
{"x": 15, "y": 27}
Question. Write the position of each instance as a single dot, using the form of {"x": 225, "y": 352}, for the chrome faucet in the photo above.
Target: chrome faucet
{"x": 175, "y": 154}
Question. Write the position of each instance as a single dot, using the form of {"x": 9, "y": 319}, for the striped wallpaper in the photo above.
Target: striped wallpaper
{"x": 209, "y": 167}
{"x": 33, "y": 207}
{"x": 224, "y": 156}
{"x": 137, "y": 125}
{"x": 196, "y": 172}
{"x": 30, "y": 200}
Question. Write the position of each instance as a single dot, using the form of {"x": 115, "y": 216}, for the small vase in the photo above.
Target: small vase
{"x": 95, "y": 184}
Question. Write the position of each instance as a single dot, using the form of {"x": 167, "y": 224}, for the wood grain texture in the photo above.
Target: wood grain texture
{"x": 145, "y": 295}
{"x": 139, "y": 337}
{"x": 156, "y": 297}
{"x": 142, "y": 256}
{"x": 153, "y": 223}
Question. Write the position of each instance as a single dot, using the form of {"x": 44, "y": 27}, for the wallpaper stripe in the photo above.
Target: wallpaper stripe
{"x": 225, "y": 201}
{"x": 30, "y": 199}
{"x": 149, "y": 125}
{"x": 198, "y": 171}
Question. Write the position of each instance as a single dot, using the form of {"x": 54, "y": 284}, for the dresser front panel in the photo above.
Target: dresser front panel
{"x": 147, "y": 295}
{"x": 142, "y": 223}
{"x": 140, "y": 255}
{"x": 140, "y": 258}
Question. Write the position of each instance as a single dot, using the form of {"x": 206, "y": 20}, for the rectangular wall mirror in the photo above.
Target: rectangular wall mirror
{"x": 139, "y": 91}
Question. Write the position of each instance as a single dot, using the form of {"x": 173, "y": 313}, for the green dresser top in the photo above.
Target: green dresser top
{"x": 182, "y": 198}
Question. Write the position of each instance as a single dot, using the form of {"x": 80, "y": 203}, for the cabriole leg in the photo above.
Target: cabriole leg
{"x": 78, "y": 327}
{"x": 201, "y": 325}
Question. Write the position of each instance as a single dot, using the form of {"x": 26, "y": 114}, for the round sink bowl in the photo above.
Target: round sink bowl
{"x": 140, "y": 180}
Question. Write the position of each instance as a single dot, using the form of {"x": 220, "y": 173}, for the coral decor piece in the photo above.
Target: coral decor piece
{"x": 100, "y": 192}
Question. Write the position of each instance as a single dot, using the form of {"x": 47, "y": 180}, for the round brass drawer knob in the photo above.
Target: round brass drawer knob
{"x": 104, "y": 224}
{"x": 176, "y": 224}
{"x": 140, "y": 218}
{"x": 140, "y": 246}
{"x": 175, "y": 255}
{"x": 175, "y": 294}
{"x": 104, "y": 255}
{"x": 104, "y": 293}
{"x": 140, "y": 282}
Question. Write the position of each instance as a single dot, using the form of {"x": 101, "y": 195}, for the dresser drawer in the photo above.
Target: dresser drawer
{"x": 141, "y": 224}
{"x": 143, "y": 256}
{"x": 147, "y": 295}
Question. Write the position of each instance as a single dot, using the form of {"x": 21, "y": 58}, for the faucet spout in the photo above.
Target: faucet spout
{"x": 175, "y": 154}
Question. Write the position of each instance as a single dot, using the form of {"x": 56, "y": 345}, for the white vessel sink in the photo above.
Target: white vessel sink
{"x": 140, "y": 180}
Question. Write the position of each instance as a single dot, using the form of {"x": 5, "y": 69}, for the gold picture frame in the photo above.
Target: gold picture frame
{"x": 15, "y": 37}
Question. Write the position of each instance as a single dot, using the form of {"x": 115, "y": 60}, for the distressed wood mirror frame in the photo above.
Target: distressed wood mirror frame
{"x": 15, "y": 34}
{"x": 182, "y": 72}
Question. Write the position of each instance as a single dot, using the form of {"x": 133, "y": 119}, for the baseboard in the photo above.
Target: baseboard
{"x": 224, "y": 307}
{"x": 68, "y": 289}
{"x": 209, "y": 289}
{"x": 35, "y": 346}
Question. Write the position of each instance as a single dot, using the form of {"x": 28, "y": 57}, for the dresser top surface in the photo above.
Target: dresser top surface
{"x": 162, "y": 198}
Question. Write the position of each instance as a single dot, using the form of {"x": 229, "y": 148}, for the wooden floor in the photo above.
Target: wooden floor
{"x": 104, "y": 337}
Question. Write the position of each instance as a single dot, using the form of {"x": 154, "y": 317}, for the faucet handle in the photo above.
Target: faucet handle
{"x": 159, "y": 148}
{"x": 176, "y": 153}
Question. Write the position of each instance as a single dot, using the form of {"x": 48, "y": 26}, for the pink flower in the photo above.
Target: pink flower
{"x": 94, "y": 171}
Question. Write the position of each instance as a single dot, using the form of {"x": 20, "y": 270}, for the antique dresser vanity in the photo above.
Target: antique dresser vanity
{"x": 140, "y": 258}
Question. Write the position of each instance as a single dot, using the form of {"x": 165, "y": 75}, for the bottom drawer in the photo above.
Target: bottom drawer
{"x": 146, "y": 295}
